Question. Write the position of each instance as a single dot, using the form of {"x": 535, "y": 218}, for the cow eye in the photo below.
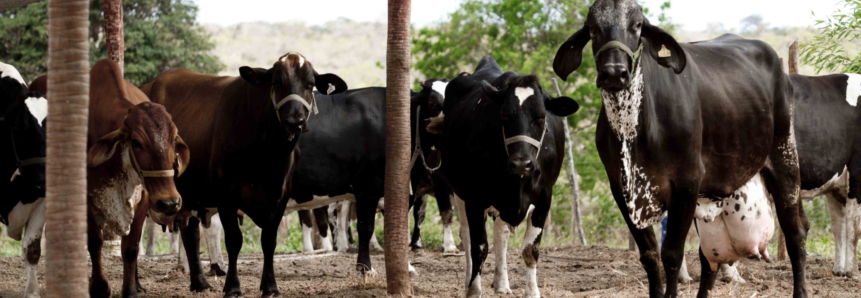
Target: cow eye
{"x": 136, "y": 144}
{"x": 175, "y": 141}
{"x": 539, "y": 122}
{"x": 310, "y": 86}
{"x": 639, "y": 25}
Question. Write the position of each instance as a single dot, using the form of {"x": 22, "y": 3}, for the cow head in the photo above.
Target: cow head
{"x": 151, "y": 151}
{"x": 524, "y": 111}
{"x": 290, "y": 84}
{"x": 23, "y": 128}
{"x": 617, "y": 28}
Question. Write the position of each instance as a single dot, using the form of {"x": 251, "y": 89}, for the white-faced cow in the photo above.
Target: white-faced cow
{"x": 243, "y": 131}
{"x": 501, "y": 147}
{"x": 133, "y": 155}
{"x": 22, "y": 170}
{"x": 681, "y": 122}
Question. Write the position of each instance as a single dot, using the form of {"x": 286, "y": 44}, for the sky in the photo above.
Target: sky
{"x": 694, "y": 15}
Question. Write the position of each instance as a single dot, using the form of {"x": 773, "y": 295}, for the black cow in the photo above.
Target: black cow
{"x": 22, "y": 168}
{"x": 682, "y": 122}
{"x": 501, "y": 148}
{"x": 343, "y": 158}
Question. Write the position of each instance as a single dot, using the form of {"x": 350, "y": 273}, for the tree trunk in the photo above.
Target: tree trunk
{"x": 793, "y": 69}
{"x": 69, "y": 79}
{"x": 573, "y": 181}
{"x": 397, "y": 177}
{"x": 113, "y": 10}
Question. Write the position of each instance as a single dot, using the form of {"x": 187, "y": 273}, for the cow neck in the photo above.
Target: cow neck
{"x": 623, "y": 111}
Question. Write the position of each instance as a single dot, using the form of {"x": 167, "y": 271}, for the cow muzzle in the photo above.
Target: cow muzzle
{"x": 168, "y": 207}
{"x": 615, "y": 60}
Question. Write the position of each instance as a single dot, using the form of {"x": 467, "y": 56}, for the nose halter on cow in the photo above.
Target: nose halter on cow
{"x": 525, "y": 139}
{"x": 152, "y": 174}
{"x": 312, "y": 106}
{"x": 417, "y": 152}
{"x": 20, "y": 164}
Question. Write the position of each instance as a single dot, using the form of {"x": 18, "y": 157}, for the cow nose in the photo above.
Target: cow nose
{"x": 295, "y": 123}
{"x": 167, "y": 207}
{"x": 614, "y": 77}
{"x": 521, "y": 167}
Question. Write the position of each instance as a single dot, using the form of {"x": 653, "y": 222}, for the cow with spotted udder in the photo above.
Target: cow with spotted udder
{"x": 502, "y": 149}
{"x": 827, "y": 118}
{"x": 243, "y": 132}
{"x": 709, "y": 121}
{"x": 22, "y": 133}
{"x": 133, "y": 155}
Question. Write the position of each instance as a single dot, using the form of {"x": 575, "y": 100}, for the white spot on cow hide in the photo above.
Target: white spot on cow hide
{"x": 9, "y": 71}
{"x": 301, "y": 60}
{"x": 19, "y": 216}
{"x": 16, "y": 174}
{"x": 439, "y": 87}
{"x": 623, "y": 114}
{"x": 38, "y": 107}
{"x": 116, "y": 196}
{"x": 523, "y": 93}
{"x": 853, "y": 88}
{"x": 331, "y": 89}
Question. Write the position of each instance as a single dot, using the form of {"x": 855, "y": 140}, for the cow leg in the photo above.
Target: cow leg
{"x": 213, "y": 242}
{"x": 99, "y": 283}
{"x": 268, "y": 241}
{"x": 321, "y": 216}
{"x": 307, "y": 223}
{"x": 419, "y": 208}
{"x": 679, "y": 219}
{"x": 31, "y": 248}
{"x": 477, "y": 251}
{"x": 501, "y": 233}
{"x": 191, "y": 241}
{"x": 647, "y": 244}
{"x": 375, "y": 244}
{"x": 150, "y": 237}
{"x": 531, "y": 243}
{"x": 782, "y": 181}
{"x": 183, "y": 257}
{"x": 130, "y": 248}
{"x": 342, "y": 242}
{"x": 444, "y": 204}
{"x": 707, "y": 276}
{"x": 366, "y": 212}
{"x": 729, "y": 273}
{"x": 683, "y": 271}
{"x": 839, "y": 229}
{"x": 233, "y": 241}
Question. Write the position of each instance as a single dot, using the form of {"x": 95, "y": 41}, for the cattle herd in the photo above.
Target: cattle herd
{"x": 712, "y": 133}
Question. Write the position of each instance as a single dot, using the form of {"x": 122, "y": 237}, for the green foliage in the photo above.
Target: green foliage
{"x": 159, "y": 35}
{"x": 826, "y": 52}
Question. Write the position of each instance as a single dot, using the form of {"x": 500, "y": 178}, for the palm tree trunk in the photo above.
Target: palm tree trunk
{"x": 397, "y": 149}
{"x": 113, "y": 10}
{"x": 68, "y": 79}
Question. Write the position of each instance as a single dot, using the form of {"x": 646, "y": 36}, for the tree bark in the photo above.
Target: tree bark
{"x": 68, "y": 79}
{"x": 10, "y": 4}
{"x": 793, "y": 69}
{"x": 573, "y": 181}
{"x": 396, "y": 221}
{"x": 114, "y": 38}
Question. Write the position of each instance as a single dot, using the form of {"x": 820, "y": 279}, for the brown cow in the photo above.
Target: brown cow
{"x": 243, "y": 131}
{"x": 133, "y": 154}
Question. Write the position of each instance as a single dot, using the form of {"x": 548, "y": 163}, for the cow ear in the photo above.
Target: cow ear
{"x": 561, "y": 106}
{"x": 183, "y": 156}
{"x": 664, "y": 48}
{"x": 104, "y": 149}
{"x": 570, "y": 54}
{"x": 256, "y": 76}
{"x": 330, "y": 83}
{"x": 496, "y": 95}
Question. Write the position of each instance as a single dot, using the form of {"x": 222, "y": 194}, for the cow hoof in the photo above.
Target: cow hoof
{"x": 450, "y": 250}
{"x": 199, "y": 286}
{"x": 99, "y": 289}
{"x": 233, "y": 294}
{"x": 271, "y": 294}
{"x": 736, "y": 278}
{"x": 130, "y": 294}
{"x": 685, "y": 278}
{"x": 32, "y": 295}
{"x": 216, "y": 271}
{"x": 502, "y": 290}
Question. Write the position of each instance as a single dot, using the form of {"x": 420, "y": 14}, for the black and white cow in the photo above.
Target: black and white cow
{"x": 501, "y": 147}
{"x": 684, "y": 122}
{"x": 829, "y": 153}
{"x": 22, "y": 135}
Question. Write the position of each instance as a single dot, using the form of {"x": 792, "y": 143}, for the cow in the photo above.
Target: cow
{"x": 22, "y": 133}
{"x": 243, "y": 131}
{"x": 686, "y": 124}
{"x": 502, "y": 147}
{"x": 133, "y": 155}
{"x": 826, "y": 116}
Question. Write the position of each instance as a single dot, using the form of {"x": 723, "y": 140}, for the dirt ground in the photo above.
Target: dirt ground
{"x": 592, "y": 271}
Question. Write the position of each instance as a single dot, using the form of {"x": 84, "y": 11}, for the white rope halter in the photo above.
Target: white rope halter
{"x": 525, "y": 139}
{"x": 417, "y": 152}
{"x": 312, "y": 106}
